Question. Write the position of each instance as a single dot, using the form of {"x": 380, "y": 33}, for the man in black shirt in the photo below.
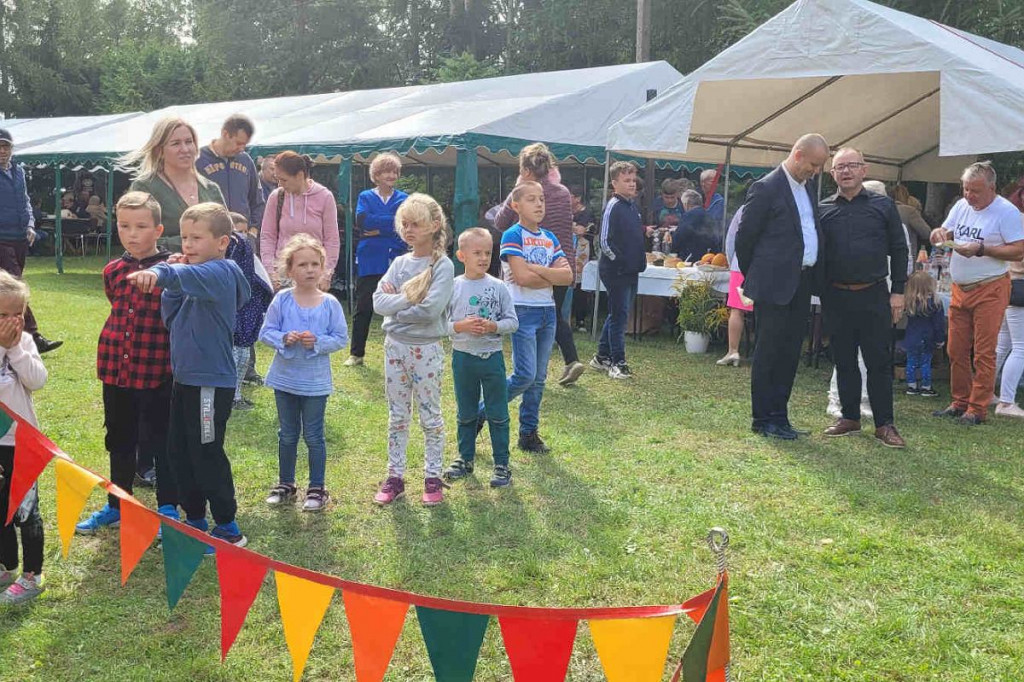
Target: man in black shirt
{"x": 862, "y": 232}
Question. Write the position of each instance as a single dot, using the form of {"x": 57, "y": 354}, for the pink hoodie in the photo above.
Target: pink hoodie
{"x": 314, "y": 213}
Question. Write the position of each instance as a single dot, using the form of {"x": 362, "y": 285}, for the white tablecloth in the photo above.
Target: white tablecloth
{"x": 657, "y": 281}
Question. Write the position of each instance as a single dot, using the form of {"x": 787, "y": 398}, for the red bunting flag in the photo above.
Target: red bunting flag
{"x": 138, "y": 529}
{"x": 375, "y": 625}
{"x": 539, "y": 650}
{"x": 32, "y": 452}
{"x": 240, "y": 580}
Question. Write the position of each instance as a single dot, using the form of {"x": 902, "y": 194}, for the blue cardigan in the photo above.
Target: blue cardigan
{"x": 375, "y": 252}
{"x": 925, "y": 332}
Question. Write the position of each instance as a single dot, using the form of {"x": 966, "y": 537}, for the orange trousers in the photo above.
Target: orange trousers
{"x": 975, "y": 317}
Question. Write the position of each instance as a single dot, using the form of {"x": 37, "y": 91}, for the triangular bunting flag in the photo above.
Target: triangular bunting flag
{"x": 138, "y": 528}
{"x": 240, "y": 581}
{"x": 73, "y": 487}
{"x": 182, "y": 556}
{"x": 5, "y": 422}
{"x": 31, "y": 455}
{"x": 375, "y": 625}
{"x": 539, "y": 650}
{"x": 633, "y": 649}
{"x": 303, "y": 606}
{"x": 453, "y": 641}
{"x": 707, "y": 654}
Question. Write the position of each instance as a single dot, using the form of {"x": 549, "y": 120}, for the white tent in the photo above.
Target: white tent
{"x": 28, "y": 132}
{"x": 569, "y": 110}
{"x": 914, "y": 95}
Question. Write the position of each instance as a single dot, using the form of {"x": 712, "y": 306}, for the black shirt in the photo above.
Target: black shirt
{"x": 861, "y": 234}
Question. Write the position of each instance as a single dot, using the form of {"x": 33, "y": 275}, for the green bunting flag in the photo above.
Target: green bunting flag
{"x": 5, "y": 423}
{"x": 453, "y": 642}
{"x": 707, "y": 655}
{"x": 182, "y": 556}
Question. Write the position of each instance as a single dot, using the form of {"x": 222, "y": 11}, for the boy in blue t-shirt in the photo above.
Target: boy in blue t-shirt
{"x": 202, "y": 294}
{"x": 532, "y": 262}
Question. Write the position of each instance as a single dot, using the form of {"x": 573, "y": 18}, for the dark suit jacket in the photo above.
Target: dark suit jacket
{"x": 770, "y": 240}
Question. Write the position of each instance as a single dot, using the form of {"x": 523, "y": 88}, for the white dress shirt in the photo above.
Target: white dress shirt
{"x": 803, "y": 206}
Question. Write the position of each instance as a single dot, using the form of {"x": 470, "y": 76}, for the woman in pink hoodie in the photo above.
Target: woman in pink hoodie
{"x": 299, "y": 205}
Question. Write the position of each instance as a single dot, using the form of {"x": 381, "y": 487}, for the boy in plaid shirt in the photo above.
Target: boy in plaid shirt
{"x": 134, "y": 363}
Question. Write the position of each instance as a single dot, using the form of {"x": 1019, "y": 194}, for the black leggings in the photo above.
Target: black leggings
{"x": 365, "y": 286}
{"x": 563, "y": 330}
{"x": 31, "y": 528}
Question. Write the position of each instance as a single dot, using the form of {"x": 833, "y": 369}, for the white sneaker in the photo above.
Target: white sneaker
{"x": 620, "y": 371}
{"x": 1009, "y": 410}
{"x": 353, "y": 361}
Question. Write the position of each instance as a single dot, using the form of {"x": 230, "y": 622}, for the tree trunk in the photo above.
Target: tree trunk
{"x": 937, "y": 196}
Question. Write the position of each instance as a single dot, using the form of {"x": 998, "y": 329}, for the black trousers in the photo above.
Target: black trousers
{"x": 202, "y": 470}
{"x": 136, "y": 421}
{"x": 12, "y": 259}
{"x": 582, "y": 306}
{"x": 780, "y": 335}
{"x": 365, "y": 286}
{"x": 862, "y": 319}
{"x": 31, "y": 528}
{"x": 563, "y": 329}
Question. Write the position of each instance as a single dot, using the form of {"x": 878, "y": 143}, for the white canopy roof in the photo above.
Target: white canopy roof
{"x": 912, "y": 94}
{"x": 570, "y": 110}
{"x": 33, "y": 131}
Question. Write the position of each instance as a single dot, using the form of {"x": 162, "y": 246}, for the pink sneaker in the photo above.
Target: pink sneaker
{"x": 22, "y": 590}
{"x": 433, "y": 491}
{"x": 390, "y": 490}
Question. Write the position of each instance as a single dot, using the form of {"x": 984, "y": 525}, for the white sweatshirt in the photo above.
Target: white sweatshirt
{"x": 21, "y": 372}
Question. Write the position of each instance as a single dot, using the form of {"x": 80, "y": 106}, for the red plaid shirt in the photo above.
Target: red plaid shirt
{"x": 135, "y": 347}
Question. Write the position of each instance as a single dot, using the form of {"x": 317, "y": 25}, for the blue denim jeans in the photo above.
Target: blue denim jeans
{"x": 531, "y": 350}
{"x": 621, "y": 292}
{"x": 919, "y": 361}
{"x": 301, "y": 414}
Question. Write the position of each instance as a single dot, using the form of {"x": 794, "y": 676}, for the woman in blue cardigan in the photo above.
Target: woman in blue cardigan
{"x": 379, "y": 244}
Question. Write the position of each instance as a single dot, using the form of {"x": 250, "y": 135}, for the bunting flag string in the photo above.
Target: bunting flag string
{"x": 632, "y": 642}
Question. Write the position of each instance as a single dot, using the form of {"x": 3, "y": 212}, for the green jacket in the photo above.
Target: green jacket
{"x": 171, "y": 204}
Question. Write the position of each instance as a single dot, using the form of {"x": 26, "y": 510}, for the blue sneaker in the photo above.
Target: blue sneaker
{"x": 171, "y": 512}
{"x": 107, "y": 517}
{"x": 229, "y": 532}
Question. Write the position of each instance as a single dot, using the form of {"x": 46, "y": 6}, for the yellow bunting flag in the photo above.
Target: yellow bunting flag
{"x": 633, "y": 649}
{"x": 73, "y": 487}
{"x": 303, "y": 606}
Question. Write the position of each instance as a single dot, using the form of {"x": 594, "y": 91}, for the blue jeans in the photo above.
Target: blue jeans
{"x": 919, "y": 361}
{"x": 301, "y": 414}
{"x": 531, "y": 350}
{"x": 621, "y": 292}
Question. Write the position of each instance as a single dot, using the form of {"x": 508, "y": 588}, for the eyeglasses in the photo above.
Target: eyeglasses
{"x": 843, "y": 167}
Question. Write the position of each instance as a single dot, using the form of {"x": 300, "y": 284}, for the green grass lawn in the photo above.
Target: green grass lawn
{"x": 849, "y": 561}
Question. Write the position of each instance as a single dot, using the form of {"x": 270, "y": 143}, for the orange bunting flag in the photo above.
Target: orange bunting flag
{"x": 633, "y": 649}
{"x": 375, "y": 625}
{"x": 138, "y": 529}
{"x": 539, "y": 650}
{"x": 73, "y": 487}
{"x": 240, "y": 580}
{"x": 32, "y": 452}
{"x": 303, "y": 606}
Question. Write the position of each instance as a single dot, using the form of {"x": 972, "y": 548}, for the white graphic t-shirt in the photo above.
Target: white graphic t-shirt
{"x": 539, "y": 248}
{"x": 997, "y": 224}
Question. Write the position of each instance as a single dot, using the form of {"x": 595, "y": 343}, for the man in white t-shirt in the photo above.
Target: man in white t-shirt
{"x": 987, "y": 231}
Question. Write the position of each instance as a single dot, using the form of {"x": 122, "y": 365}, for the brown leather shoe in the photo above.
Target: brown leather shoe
{"x": 890, "y": 437}
{"x": 843, "y": 427}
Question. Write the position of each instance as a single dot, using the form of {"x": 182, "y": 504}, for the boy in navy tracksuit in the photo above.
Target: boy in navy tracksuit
{"x": 199, "y": 303}
{"x": 623, "y": 258}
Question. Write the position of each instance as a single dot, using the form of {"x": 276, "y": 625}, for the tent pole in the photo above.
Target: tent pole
{"x": 58, "y": 231}
{"x": 350, "y": 277}
{"x": 604, "y": 200}
{"x": 110, "y": 205}
{"x": 725, "y": 197}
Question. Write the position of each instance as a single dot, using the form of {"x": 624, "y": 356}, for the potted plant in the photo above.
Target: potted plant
{"x": 701, "y": 312}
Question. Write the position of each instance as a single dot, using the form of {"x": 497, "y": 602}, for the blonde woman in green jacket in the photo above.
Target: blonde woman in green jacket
{"x": 167, "y": 170}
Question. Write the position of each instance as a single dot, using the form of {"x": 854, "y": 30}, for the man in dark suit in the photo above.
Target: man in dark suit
{"x": 779, "y": 248}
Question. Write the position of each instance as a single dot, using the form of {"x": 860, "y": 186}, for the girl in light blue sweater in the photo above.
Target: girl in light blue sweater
{"x": 304, "y": 326}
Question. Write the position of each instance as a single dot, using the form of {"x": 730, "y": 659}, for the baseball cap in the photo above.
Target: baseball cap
{"x": 5, "y": 136}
